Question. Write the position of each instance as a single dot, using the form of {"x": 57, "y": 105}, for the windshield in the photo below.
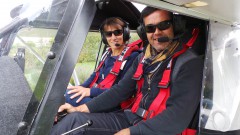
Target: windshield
{"x": 31, "y": 26}
{"x": 27, "y": 32}
{"x": 5, "y": 8}
{"x": 24, "y": 8}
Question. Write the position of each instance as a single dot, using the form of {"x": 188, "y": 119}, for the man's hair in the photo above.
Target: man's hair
{"x": 148, "y": 10}
{"x": 178, "y": 22}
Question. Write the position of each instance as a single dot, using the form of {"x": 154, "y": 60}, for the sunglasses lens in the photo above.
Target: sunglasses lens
{"x": 115, "y": 32}
{"x": 164, "y": 25}
{"x": 108, "y": 33}
{"x": 150, "y": 28}
{"x": 161, "y": 26}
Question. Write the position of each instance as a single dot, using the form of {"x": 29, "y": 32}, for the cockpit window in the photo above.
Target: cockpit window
{"x": 36, "y": 43}
{"x": 222, "y": 79}
{"x": 31, "y": 29}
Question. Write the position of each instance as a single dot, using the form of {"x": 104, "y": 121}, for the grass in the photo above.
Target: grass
{"x": 84, "y": 70}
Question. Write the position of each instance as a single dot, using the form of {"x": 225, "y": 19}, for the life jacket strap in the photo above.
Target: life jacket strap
{"x": 138, "y": 74}
{"x": 94, "y": 80}
{"x": 164, "y": 83}
{"x": 189, "y": 131}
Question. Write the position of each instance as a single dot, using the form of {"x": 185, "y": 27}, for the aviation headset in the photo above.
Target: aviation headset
{"x": 125, "y": 27}
{"x": 177, "y": 21}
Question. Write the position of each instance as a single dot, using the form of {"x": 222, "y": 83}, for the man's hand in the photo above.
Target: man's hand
{"x": 125, "y": 131}
{"x": 83, "y": 108}
{"x": 63, "y": 110}
{"x": 79, "y": 91}
{"x": 67, "y": 107}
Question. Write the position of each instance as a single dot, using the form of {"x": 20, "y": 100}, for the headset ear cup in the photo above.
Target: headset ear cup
{"x": 126, "y": 32}
{"x": 141, "y": 32}
{"x": 179, "y": 24}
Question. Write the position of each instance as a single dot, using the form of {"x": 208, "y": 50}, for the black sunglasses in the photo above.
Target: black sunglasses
{"x": 161, "y": 26}
{"x": 115, "y": 32}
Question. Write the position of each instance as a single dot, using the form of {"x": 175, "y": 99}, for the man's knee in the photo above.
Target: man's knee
{"x": 69, "y": 122}
{"x": 76, "y": 117}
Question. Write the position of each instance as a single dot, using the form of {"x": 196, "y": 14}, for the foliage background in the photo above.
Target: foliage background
{"x": 41, "y": 40}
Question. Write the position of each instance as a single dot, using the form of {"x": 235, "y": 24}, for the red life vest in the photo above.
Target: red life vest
{"x": 118, "y": 65}
{"x": 159, "y": 103}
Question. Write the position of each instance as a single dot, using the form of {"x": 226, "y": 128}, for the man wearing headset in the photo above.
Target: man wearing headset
{"x": 169, "y": 88}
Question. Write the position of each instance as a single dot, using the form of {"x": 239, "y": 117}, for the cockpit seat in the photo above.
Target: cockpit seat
{"x": 15, "y": 95}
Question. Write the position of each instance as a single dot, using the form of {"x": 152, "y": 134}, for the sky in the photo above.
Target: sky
{"x": 140, "y": 7}
{"x": 7, "y": 5}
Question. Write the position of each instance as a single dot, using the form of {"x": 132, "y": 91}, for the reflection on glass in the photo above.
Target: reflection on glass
{"x": 221, "y": 103}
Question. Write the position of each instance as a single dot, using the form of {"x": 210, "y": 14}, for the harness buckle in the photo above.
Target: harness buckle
{"x": 95, "y": 85}
{"x": 145, "y": 114}
{"x": 137, "y": 77}
{"x": 163, "y": 85}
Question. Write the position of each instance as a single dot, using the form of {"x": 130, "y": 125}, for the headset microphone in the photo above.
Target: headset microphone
{"x": 88, "y": 123}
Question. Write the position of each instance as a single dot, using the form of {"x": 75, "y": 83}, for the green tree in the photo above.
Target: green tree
{"x": 90, "y": 48}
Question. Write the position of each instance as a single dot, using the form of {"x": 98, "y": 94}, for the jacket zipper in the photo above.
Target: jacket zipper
{"x": 148, "y": 92}
{"x": 149, "y": 80}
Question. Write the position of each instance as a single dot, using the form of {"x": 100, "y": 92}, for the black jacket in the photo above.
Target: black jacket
{"x": 182, "y": 104}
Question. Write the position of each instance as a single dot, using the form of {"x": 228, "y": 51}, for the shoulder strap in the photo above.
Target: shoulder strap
{"x": 118, "y": 65}
{"x": 124, "y": 54}
{"x": 182, "y": 59}
{"x": 189, "y": 44}
{"x": 138, "y": 74}
{"x": 103, "y": 58}
{"x": 138, "y": 43}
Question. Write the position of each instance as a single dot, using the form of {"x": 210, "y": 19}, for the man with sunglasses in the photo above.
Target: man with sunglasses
{"x": 169, "y": 88}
